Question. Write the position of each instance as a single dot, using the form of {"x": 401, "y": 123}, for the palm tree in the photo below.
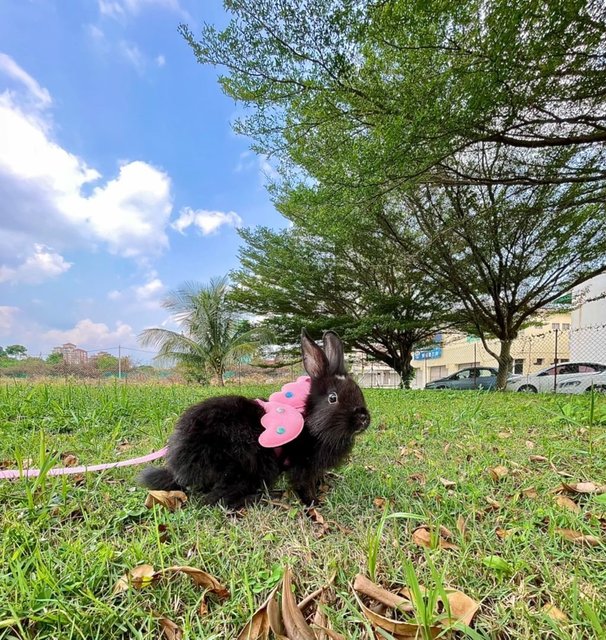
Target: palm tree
{"x": 212, "y": 336}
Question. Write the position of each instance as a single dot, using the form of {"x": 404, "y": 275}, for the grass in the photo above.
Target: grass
{"x": 65, "y": 543}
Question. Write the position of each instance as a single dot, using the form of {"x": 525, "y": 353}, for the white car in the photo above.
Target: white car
{"x": 566, "y": 377}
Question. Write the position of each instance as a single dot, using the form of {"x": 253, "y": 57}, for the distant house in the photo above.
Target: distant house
{"x": 71, "y": 354}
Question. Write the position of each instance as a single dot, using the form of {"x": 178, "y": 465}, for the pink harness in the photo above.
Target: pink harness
{"x": 283, "y": 422}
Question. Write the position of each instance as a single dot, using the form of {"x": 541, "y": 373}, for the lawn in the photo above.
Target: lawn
{"x": 483, "y": 465}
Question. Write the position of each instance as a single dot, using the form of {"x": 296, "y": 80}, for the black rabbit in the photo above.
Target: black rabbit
{"x": 215, "y": 446}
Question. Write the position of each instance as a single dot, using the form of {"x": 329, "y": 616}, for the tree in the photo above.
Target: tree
{"x": 212, "y": 336}
{"x": 54, "y": 358}
{"x": 384, "y": 93}
{"x": 16, "y": 351}
{"x": 502, "y": 252}
{"x": 358, "y": 287}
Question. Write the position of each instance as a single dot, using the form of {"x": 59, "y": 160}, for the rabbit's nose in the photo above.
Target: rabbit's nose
{"x": 362, "y": 418}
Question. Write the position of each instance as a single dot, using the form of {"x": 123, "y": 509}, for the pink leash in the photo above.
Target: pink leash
{"x": 63, "y": 471}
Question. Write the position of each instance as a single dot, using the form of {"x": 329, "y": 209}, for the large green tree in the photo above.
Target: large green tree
{"x": 212, "y": 336}
{"x": 384, "y": 92}
{"x": 356, "y": 284}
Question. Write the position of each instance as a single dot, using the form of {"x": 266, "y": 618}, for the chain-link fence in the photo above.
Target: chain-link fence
{"x": 534, "y": 350}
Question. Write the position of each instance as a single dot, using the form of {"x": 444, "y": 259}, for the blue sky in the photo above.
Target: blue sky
{"x": 120, "y": 176}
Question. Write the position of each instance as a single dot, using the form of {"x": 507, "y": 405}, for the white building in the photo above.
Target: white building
{"x": 588, "y": 322}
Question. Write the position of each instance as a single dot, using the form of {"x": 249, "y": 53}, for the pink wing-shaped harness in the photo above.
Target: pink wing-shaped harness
{"x": 283, "y": 419}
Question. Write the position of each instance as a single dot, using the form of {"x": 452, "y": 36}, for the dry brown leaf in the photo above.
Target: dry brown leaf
{"x": 172, "y": 500}
{"x": 554, "y": 613}
{"x": 538, "y": 459}
{"x": 578, "y": 538}
{"x": 141, "y": 576}
{"x": 494, "y": 504}
{"x": 257, "y": 628}
{"x": 170, "y": 630}
{"x": 200, "y": 578}
{"x": 504, "y": 434}
{"x": 503, "y": 533}
{"x": 379, "y": 502}
{"x": 567, "y": 503}
{"x": 318, "y": 519}
{"x": 449, "y": 484}
{"x": 462, "y": 608}
{"x": 530, "y": 493}
{"x": 418, "y": 477}
{"x": 397, "y": 628}
{"x": 69, "y": 460}
{"x": 423, "y": 537}
{"x": 529, "y": 444}
{"x": 367, "y": 587}
{"x": 462, "y": 527}
{"x": 583, "y": 487}
{"x": 498, "y": 473}
{"x": 294, "y": 622}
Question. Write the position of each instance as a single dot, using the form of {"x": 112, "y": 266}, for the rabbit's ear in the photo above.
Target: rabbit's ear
{"x": 314, "y": 360}
{"x": 333, "y": 347}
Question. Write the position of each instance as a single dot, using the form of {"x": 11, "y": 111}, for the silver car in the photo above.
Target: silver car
{"x": 566, "y": 377}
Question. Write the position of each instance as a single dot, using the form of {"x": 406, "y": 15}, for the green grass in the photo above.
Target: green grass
{"x": 64, "y": 544}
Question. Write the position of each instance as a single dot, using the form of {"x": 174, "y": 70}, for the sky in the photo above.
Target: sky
{"x": 120, "y": 175}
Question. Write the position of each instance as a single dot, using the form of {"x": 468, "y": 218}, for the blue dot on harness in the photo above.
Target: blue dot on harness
{"x": 289, "y": 394}
{"x": 280, "y": 430}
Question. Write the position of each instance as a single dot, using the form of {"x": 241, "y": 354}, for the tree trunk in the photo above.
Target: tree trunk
{"x": 406, "y": 372}
{"x": 505, "y": 364}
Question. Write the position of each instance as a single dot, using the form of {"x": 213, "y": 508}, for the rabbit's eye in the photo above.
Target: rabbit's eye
{"x": 332, "y": 398}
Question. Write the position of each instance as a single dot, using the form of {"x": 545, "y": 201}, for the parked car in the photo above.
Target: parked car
{"x": 566, "y": 377}
{"x": 470, "y": 378}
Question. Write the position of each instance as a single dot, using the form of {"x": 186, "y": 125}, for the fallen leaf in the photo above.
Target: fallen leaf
{"x": 318, "y": 519}
{"x": 538, "y": 459}
{"x": 69, "y": 460}
{"x": 449, "y": 484}
{"x": 294, "y": 622}
{"x": 424, "y": 538}
{"x": 554, "y": 613}
{"x": 498, "y": 473}
{"x": 503, "y": 533}
{"x": 200, "y": 578}
{"x": 141, "y": 576}
{"x": 172, "y": 500}
{"x": 494, "y": 504}
{"x": 462, "y": 609}
{"x": 529, "y": 444}
{"x": 418, "y": 477}
{"x": 578, "y": 538}
{"x": 567, "y": 503}
{"x": 257, "y": 628}
{"x": 583, "y": 487}
{"x": 462, "y": 526}
{"x": 504, "y": 434}
{"x": 170, "y": 630}
{"x": 530, "y": 493}
{"x": 379, "y": 502}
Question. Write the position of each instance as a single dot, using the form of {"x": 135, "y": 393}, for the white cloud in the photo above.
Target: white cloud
{"x": 114, "y": 295}
{"x": 132, "y": 54}
{"x": 119, "y": 8}
{"x": 207, "y": 222}
{"x": 160, "y": 60}
{"x": 92, "y": 335}
{"x": 47, "y": 197}
{"x": 10, "y": 68}
{"x": 42, "y": 264}
{"x": 7, "y": 319}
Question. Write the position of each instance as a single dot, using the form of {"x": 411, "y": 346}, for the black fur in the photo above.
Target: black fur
{"x": 214, "y": 448}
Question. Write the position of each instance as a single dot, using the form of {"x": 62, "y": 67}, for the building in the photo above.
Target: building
{"x": 71, "y": 354}
{"x": 588, "y": 320}
{"x": 536, "y": 347}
